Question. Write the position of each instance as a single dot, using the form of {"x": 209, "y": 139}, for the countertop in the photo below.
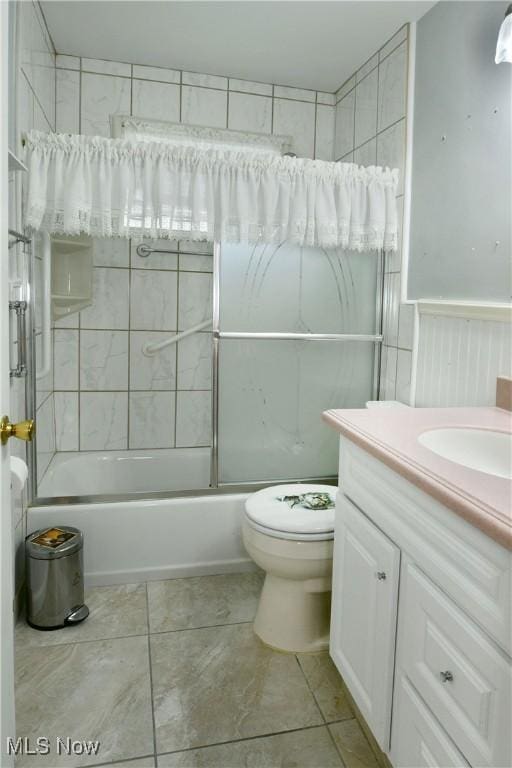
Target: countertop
{"x": 391, "y": 435}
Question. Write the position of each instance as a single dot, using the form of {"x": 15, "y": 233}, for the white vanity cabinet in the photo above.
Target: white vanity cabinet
{"x": 421, "y": 621}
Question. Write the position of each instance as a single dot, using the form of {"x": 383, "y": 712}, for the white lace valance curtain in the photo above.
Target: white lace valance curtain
{"x": 146, "y": 189}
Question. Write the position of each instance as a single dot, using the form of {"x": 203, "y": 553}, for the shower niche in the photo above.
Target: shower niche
{"x": 71, "y": 275}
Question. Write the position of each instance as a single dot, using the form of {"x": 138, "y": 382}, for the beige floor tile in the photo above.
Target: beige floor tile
{"x": 142, "y": 762}
{"x": 311, "y": 748}
{"x": 118, "y": 611}
{"x": 325, "y": 682}
{"x": 221, "y": 684}
{"x": 203, "y": 601}
{"x": 86, "y": 691}
{"x": 353, "y": 745}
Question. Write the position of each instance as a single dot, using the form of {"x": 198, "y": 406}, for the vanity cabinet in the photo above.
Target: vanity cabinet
{"x": 421, "y": 621}
{"x": 366, "y": 568}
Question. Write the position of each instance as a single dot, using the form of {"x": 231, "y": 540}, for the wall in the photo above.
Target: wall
{"x": 108, "y": 395}
{"x": 32, "y": 59}
{"x": 462, "y": 157}
{"x": 370, "y": 129}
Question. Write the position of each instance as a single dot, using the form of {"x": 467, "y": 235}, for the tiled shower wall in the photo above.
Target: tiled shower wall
{"x": 371, "y": 112}
{"x": 34, "y": 62}
{"x": 108, "y": 394}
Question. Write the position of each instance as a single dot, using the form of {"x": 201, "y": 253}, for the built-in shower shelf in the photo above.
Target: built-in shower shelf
{"x": 72, "y": 264}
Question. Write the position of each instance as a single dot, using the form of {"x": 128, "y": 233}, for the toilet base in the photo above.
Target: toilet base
{"x": 294, "y": 615}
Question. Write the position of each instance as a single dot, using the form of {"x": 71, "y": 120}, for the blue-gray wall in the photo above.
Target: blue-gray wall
{"x": 461, "y": 184}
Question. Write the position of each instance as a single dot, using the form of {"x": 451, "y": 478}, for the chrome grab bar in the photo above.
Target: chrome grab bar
{"x": 144, "y": 251}
{"x": 151, "y": 349}
{"x": 20, "y": 307}
{"x": 299, "y": 336}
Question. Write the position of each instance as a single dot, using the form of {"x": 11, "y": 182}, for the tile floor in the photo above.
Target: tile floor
{"x": 170, "y": 674}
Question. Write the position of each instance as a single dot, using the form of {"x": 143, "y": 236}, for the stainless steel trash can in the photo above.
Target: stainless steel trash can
{"x": 55, "y": 577}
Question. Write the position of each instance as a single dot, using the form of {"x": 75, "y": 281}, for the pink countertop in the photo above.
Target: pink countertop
{"x": 391, "y": 435}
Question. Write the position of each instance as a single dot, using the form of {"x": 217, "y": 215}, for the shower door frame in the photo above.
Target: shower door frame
{"x": 218, "y": 334}
{"x": 215, "y": 487}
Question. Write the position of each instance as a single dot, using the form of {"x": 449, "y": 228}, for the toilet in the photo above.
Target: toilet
{"x": 293, "y": 544}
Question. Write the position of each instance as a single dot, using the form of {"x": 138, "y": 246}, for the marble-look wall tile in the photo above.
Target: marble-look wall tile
{"x": 66, "y": 421}
{"x": 44, "y": 385}
{"x": 403, "y": 375}
{"x": 111, "y": 252}
{"x": 103, "y": 421}
{"x": 367, "y": 153}
{"x": 110, "y": 300}
{"x": 204, "y": 106}
{"x": 347, "y": 86}
{"x": 299, "y": 94}
{"x": 248, "y": 86}
{"x": 391, "y": 307}
{"x": 167, "y": 260}
{"x": 67, "y": 62}
{"x": 205, "y": 81}
{"x": 159, "y": 74}
{"x": 45, "y": 444}
{"x": 195, "y": 290}
{"x": 152, "y": 417}
{"x": 67, "y": 101}
{"x": 107, "y": 67}
{"x": 102, "y": 96}
{"x": 391, "y": 150}
{"x": 296, "y": 119}
{"x": 366, "y": 108}
{"x": 195, "y": 362}
{"x": 65, "y": 359}
{"x": 250, "y": 113}
{"x": 326, "y": 98}
{"x": 103, "y": 360}
{"x": 196, "y": 262}
{"x": 324, "y": 139}
{"x": 196, "y": 246}
{"x": 158, "y": 101}
{"x": 155, "y": 372}
{"x": 344, "y": 136}
{"x": 392, "y": 87}
{"x": 387, "y": 389}
{"x": 367, "y": 67}
{"x": 393, "y": 260}
{"x": 153, "y": 300}
{"x": 193, "y": 419}
{"x": 394, "y": 42}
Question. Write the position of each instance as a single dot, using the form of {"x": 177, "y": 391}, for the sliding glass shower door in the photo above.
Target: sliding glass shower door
{"x": 295, "y": 331}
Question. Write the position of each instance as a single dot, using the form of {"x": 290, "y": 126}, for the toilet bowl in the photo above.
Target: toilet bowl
{"x": 293, "y": 545}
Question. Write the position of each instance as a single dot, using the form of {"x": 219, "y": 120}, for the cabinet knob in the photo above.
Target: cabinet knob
{"x": 446, "y": 677}
{"x": 381, "y": 575}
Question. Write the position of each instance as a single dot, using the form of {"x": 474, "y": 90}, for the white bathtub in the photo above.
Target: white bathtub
{"x": 100, "y": 472}
{"x": 145, "y": 539}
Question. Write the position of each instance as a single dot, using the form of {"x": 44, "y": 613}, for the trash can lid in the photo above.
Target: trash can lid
{"x": 54, "y": 542}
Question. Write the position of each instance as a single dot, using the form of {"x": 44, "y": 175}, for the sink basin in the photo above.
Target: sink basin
{"x": 483, "y": 449}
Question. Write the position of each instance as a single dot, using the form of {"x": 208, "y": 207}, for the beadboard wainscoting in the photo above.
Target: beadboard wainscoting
{"x": 461, "y": 349}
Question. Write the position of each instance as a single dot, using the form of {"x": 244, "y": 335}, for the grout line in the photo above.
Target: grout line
{"x": 310, "y": 689}
{"x": 151, "y": 675}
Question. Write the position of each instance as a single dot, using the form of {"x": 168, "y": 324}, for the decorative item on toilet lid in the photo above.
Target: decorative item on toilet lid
{"x": 294, "y": 508}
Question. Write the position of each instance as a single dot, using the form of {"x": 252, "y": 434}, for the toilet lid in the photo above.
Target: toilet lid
{"x": 269, "y": 509}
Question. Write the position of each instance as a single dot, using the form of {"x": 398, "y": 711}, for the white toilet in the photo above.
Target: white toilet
{"x": 293, "y": 545}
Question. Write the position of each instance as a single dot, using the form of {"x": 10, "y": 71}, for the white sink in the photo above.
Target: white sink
{"x": 483, "y": 449}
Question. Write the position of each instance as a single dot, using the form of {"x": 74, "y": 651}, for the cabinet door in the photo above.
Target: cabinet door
{"x": 364, "y": 610}
{"x": 418, "y": 739}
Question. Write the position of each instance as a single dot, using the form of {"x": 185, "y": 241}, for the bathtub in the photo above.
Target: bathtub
{"x": 158, "y": 535}
{"x": 88, "y": 473}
